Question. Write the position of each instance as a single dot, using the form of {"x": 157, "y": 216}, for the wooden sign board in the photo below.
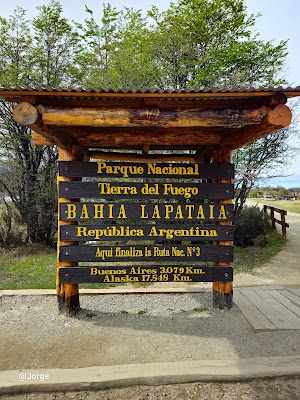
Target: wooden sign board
{"x": 145, "y": 274}
{"x": 165, "y": 210}
{"x": 122, "y": 190}
{"x": 145, "y": 170}
{"x": 161, "y": 253}
{"x": 144, "y": 212}
{"x": 84, "y": 233}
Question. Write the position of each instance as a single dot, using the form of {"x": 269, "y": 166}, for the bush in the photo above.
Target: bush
{"x": 251, "y": 223}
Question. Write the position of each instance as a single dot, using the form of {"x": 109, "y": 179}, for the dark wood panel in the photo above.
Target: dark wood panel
{"x": 144, "y": 212}
{"x": 145, "y": 274}
{"x": 117, "y": 233}
{"x": 160, "y": 253}
{"x": 149, "y": 170}
{"x": 121, "y": 190}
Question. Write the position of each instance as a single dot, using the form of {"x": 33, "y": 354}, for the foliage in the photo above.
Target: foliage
{"x": 251, "y": 223}
{"x": 42, "y": 56}
{"x": 55, "y": 45}
{"x": 117, "y": 52}
{"x": 210, "y": 43}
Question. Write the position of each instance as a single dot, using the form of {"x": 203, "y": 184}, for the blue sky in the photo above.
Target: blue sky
{"x": 279, "y": 20}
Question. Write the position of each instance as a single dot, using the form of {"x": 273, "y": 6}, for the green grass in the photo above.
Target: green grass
{"x": 248, "y": 258}
{"x": 28, "y": 267}
{"x": 288, "y": 205}
{"x": 34, "y": 267}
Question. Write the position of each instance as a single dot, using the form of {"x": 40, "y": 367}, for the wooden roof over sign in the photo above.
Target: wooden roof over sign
{"x": 100, "y": 121}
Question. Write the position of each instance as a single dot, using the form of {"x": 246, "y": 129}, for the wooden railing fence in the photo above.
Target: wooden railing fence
{"x": 274, "y": 220}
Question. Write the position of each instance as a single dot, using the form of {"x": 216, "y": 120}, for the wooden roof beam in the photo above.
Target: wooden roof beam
{"x": 28, "y": 115}
{"x": 276, "y": 119}
{"x": 135, "y": 117}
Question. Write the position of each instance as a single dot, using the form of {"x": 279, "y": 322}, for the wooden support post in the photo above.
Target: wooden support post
{"x": 273, "y": 217}
{"x": 67, "y": 294}
{"x": 223, "y": 291}
{"x": 283, "y": 226}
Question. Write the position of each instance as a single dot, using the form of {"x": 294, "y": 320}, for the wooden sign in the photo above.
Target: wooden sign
{"x": 121, "y": 190}
{"x": 84, "y": 233}
{"x": 156, "y": 206}
{"x": 145, "y": 170}
{"x": 145, "y": 274}
{"x": 143, "y": 212}
{"x": 160, "y": 253}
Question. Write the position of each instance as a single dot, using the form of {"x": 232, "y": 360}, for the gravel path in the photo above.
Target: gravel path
{"x": 121, "y": 329}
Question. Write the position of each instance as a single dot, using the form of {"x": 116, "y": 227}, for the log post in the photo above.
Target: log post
{"x": 273, "y": 217}
{"x": 223, "y": 291}
{"x": 67, "y": 294}
{"x": 283, "y": 223}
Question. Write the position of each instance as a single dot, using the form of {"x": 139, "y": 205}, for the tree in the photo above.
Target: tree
{"x": 210, "y": 43}
{"x": 29, "y": 178}
{"x": 42, "y": 55}
{"x": 118, "y": 52}
{"x": 55, "y": 46}
{"x": 264, "y": 159}
{"x": 15, "y": 45}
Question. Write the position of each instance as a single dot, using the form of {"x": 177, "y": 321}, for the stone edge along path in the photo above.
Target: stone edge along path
{"x": 118, "y": 376}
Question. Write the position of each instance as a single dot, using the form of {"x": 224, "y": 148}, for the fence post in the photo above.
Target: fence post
{"x": 283, "y": 214}
{"x": 273, "y": 217}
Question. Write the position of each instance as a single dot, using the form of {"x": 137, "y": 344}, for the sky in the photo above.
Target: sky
{"x": 279, "y": 21}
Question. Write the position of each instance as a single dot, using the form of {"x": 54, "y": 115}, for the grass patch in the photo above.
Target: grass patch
{"x": 28, "y": 267}
{"x": 265, "y": 247}
{"x": 288, "y": 205}
{"x": 200, "y": 309}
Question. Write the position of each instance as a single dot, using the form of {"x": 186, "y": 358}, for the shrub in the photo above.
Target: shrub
{"x": 250, "y": 223}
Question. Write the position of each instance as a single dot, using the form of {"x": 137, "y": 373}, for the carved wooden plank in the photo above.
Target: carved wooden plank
{"x": 127, "y": 211}
{"x": 144, "y": 274}
{"x": 149, "y": 170}
{"x": 158, "y": 253}
{"x": 121, "y": 190}
{"x": 160, "y": 232}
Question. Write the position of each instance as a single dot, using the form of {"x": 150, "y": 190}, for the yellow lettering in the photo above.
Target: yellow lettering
{"x": 169, "y": 209}
{"x": 200, "y": 213}
{"x": 179, "y": 212}
{"x": 93, "y": 271}
{"x": 156, "y": 212}
{"x": 84, "y": 212}
{"x": 98, "y": 211}
{"x": 222, "y": 214}
{"x": 81, "y": 231}
{"x": 71, "y": 208}
{"x": 143, "y": 215}
{"x": 122, "y": 213}
{"x": 101, "y": 165}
